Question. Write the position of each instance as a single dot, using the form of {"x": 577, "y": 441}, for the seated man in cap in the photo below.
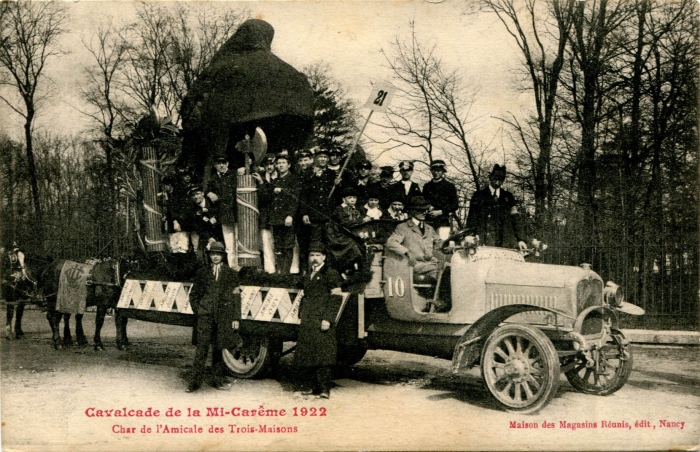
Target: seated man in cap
{"x": 344, "y": 247}
{"x": 213, "y": 301}
{"x": 491, "y": 209}
{"x": 418, "y": 241}
{"x": 222, "y": 191}
{"x": 442, "y": 197}
{"x": 205, "y": 228}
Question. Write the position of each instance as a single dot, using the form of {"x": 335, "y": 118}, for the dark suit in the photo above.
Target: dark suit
{"x": 399, "y": 192}
{"x": 216, "y": 306}
{"x": 488, "y": 217}
{"x": 442, "y": 195}
{"x": 224, "y": 187}
{"x": 316, "y": 349}
{"x": 282, "y": 205}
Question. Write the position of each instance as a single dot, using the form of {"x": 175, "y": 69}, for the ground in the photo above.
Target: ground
{"x": 389, "y": 400}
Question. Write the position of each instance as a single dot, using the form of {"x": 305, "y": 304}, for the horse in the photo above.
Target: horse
{"x": 104, "y": 284}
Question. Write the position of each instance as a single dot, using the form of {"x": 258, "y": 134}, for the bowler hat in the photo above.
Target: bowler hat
{"x": 348, "y": 191}
{"x": 418, "y": 203}
{"x": 317, "y": 247}
{"x": 217, "y": 247}
{"x": 406, "y": 165}
{"x": 498, "y": 170}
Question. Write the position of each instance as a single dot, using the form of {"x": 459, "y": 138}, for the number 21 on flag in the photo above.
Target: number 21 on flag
{"x": 380, "y": 97}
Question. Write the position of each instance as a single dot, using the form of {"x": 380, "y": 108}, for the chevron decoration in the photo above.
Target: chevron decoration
{"x": 166, "y": 296}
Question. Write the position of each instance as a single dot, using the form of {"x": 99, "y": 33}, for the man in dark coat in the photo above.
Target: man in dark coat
{"x": 316, "y": 344}
{"x": 491, "y": 208}
{"x": 264, "y": 181}
{"x": 316, "y": 207}
{"x": 283, "y": 198}
{"x": 442, "y": 197}
{"x": 222, "y": 191}
{"x": 205, "y": 227}
{"x": 217, "y": 308}
{"x": 406, "y": 187}
{"x": 385, "y": 187}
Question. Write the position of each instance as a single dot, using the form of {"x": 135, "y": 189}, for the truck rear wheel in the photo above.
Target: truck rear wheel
{"x": 520, "y": 367}
{"x": 611, "y": 369}
{"x": 253, "y": 358}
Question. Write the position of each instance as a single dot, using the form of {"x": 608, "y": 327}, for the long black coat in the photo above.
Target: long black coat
{"x": 490, "y": 219}
{"x": 283, "y": 204}
{"x": 442, "y": 195}
{"x": 316, "y": 347}
{"x": 314, "y": 196}
{"x": 224, "y": 186}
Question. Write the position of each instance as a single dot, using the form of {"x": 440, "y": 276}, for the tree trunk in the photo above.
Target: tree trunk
{"x": 31, "y": 166}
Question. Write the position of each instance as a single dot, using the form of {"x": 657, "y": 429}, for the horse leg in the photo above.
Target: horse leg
{"x": 18, "y": 320}
{"x": 79, "y": 333}
{"x": 10, "y": 308}
{"x": 99, "y": 322}
{"x": 67, "y": 338}
{"x": 54, "y": 319}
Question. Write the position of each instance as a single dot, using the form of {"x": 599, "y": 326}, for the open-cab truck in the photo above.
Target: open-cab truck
{"x": 523, "y": 323}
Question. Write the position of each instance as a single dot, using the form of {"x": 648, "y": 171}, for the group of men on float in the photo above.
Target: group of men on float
{"x": 306, "y": 198}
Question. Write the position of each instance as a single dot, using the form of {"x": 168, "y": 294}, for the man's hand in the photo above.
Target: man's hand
{"x": 278, "y": 190}
{"x": 235, "y": 324}
{"x": 305, "y": 219}
{"x": 325, "y": 325}
{"x": 435, "y": 213}
{"x": 522, "y": 245}
{"x": 288, "y": 221}
{"x": 258, "y": 178}
{"x": 338, "y": 180}
{"x": 212, "y": 196}
{"x": 176, "y": 226}
{"x": 212, "y": 220}
{"x": 241, "y": 171}
{"x": 411, "y": 259}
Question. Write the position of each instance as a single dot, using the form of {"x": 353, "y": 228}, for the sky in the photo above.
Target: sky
{"x": 346, "y": 34}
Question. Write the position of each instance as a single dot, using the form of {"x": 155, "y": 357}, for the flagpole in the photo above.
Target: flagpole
{"x": 352, "y": 150}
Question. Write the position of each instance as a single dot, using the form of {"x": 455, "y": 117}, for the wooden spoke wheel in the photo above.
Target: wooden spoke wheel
{"x": 252, "y": 358}
{"x": 609, "y": 371}
{"x": 520, "y": 367}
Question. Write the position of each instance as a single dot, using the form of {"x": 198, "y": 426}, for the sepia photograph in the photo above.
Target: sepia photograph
{"x": 349, "y": 225}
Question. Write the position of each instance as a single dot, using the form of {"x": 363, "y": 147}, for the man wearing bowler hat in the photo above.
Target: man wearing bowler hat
{"x": 218, "y": 311}
{"x": 492, "y": 209}
{"x": 442, "y": 197}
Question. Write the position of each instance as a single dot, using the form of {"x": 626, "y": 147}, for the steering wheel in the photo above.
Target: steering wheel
{"x": 456, "y": 237}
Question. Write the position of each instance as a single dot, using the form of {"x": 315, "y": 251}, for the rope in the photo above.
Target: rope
{"x": 248, "y": 205}
{"x": 153, "y": 242}
{"x": 248, "y": 253}
{"x": 148, "y": 164}
{"x": 151, "y": 209}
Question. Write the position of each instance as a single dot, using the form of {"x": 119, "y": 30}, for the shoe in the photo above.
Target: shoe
{"x": 8, "y": 332}
{"x": 325, "y": 395}
{"x": 307, "y": 392}
{"x": 193, "y": 386}
{"x": 19, "y": 334}
{"x": 225, "y": 386}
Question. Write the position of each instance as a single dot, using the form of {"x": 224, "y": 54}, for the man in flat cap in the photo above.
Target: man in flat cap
{"x": 493, "y": 208}
{"x": 316, "y": 207}
{"x": 442, "y": 197}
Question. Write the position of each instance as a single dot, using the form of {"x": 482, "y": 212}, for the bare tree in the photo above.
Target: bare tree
{"x": 541, "y": 31}
{"x": 28, "y": 35}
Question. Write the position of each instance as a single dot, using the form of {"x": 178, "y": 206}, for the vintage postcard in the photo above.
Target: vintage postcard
{"x": 349, "y": 225}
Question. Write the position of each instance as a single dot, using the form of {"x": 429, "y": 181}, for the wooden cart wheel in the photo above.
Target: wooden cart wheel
{"x": 520, "y": 367}
{"x": 610, "y": 370}
{"x": 253, "y": 358}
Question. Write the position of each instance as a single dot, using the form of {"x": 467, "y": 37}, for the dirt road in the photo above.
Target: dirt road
{"x": 51, "y": 401}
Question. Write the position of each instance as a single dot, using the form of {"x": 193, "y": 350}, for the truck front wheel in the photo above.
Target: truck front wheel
{"x": 520, "y": 367}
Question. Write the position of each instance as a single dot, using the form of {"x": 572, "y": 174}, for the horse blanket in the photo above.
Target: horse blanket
{"x": 72, "y": 287}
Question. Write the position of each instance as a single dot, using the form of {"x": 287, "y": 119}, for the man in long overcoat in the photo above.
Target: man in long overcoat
{"x": 491, "y": 209}
{"x": 316, "y": 344}
{"x": 218, "y": 311}
{"x": 222, "y": 191}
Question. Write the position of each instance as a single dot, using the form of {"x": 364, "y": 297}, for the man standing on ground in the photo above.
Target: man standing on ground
{"x": 442, "y": 197}
{"x": 212, "y": 298}
{"x": 491, "y": 208}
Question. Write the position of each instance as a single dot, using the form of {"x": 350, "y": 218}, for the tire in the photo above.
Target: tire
{"x": 520, "y": 367}
{"x": 351, "y": 354}
{"x": 254, "y": 358}
{"x": 612, "y": 369}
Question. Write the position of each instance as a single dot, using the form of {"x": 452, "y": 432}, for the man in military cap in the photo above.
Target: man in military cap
{"x": 491, "y": 209}
{"x": 283, "y": 198}
{"x": 406, "y": 186}
{"x": 316, "y": 207}
{"x": 335, "y": 162}
{"x": 222, "y": 191}
{"x": 218, "y": 309}
{"x": 442, "y": 197}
